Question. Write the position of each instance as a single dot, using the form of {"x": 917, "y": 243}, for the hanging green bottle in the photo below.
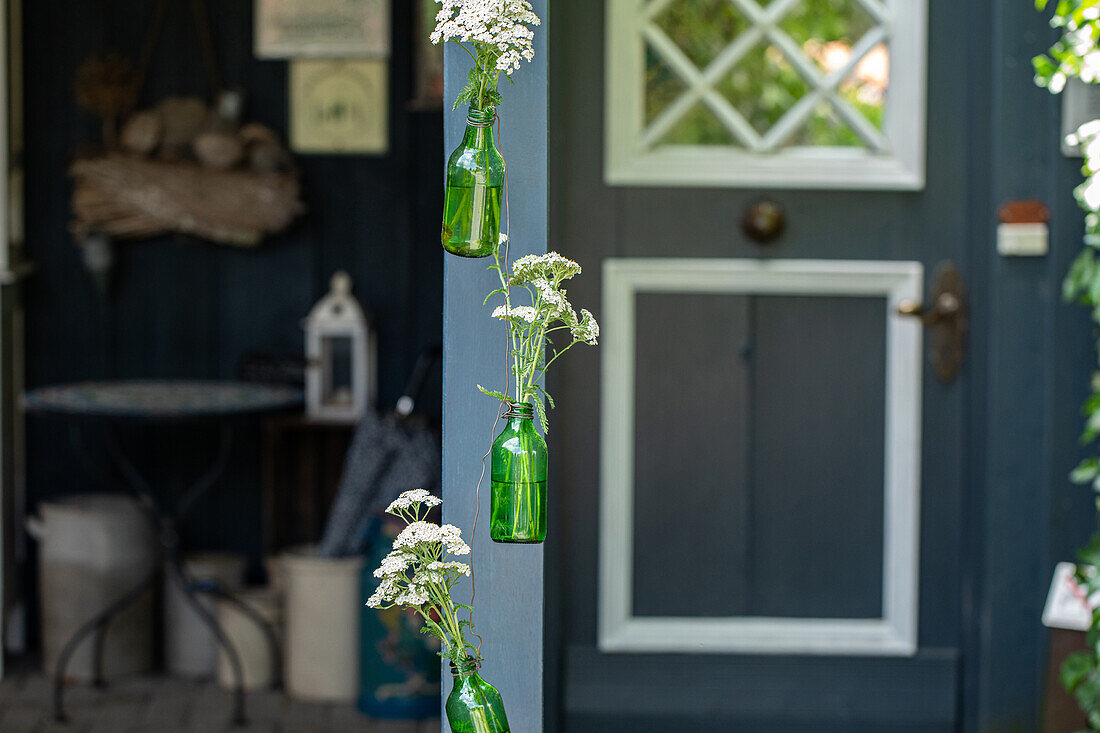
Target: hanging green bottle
{"x": 518, "y": 511}
{"x": 475, "y": 185}
{"x": 474, "y": 706}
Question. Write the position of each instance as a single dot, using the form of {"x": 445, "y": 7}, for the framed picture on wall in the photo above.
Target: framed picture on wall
{"x": 322, "y": 28}
{"x": 339, "y": 106}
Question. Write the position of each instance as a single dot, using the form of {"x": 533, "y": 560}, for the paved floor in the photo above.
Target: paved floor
{"x": 167, "y": 705}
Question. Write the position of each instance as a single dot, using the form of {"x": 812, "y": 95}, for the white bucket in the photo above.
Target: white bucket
{"x": 190, "y": 649}
{"x": 322, "y": 626}
{"x": 249, "y": 640}
{"x": 93, "y": 550}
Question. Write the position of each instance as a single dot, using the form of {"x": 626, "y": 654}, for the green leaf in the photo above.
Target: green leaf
{"x": 492, "y": 393}
{"x": 540, "y": 408}
{"x": 1086, "y": 471}
{"x": 1075, "y": 668}
{"x": 1090, "y": 553}
{"x": 1087, "y": 692}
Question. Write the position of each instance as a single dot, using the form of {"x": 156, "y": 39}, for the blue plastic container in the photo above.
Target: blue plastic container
{"x": 399, "y": 666}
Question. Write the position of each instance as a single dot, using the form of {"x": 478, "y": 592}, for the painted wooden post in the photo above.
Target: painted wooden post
{"x": 509, "y": 578}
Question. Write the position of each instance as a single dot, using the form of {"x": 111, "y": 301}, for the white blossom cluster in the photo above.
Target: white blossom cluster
{"x": 554, "y": 301}
{"x": 395, "y": 563}
{"x": 418, "y": 534}
{"x": 502, "y": 24}
{"x": 414, "y": 573}
{"x": 521, "y": 313}
{"x": 409, "y": 499}
{"x": 587, "y": 329}
{"x": 550, "y": 266}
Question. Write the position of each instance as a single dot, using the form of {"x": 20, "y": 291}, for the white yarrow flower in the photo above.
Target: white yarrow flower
{"x": 451, "y": 537}
{"x": 395, "y": 563}
{"x": 414, "y": 595}
{"x": 587, "y": 329}
{"x": 550, "y": 266}
{"x": 524, "y": 313}
{"x": 501, "y": 24}
{"x": 385, "y": 593}
{"x": 411, "y": 498}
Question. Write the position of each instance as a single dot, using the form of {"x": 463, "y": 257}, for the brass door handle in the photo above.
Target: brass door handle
{"x": 947, "y": 321}
{"x": 947, "y": 307}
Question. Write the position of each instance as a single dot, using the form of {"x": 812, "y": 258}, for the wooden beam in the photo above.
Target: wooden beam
{"x": 509, "y": 578}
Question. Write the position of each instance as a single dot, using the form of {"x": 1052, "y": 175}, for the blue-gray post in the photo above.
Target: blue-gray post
{"x": 509, "y": 601}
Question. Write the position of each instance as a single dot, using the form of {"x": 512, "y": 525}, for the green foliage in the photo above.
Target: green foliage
{"x": 493, "y": 393}
{"x": 1079, "y": 21}
{"x": 480, "y": 91}
{"x": 764, "y": 85}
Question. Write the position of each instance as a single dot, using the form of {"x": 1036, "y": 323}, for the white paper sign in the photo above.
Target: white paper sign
{"x": 1067, "y": 607}
{"x": 322, "y": 28}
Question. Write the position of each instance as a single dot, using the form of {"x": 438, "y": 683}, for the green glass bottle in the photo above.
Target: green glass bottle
{"x": 518, "y": 512}
{"x": 475, "y": 186}
{"x": 474, "y": 706}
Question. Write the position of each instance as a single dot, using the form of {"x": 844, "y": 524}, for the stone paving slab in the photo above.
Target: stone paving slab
{"x": 168, "y": 705}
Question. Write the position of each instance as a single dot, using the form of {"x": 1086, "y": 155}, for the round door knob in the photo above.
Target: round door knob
{"x": 764, "y": 221}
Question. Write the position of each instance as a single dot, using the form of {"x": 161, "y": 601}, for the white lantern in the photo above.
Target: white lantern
{"x": 340, "y": 356}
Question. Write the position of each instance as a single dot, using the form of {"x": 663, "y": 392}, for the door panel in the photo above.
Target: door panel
{"x": 760, "y": 494}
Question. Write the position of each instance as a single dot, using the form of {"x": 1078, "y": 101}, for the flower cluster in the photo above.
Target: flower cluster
{"x": 416, "y": 575}
{"x": 412, "y": 498}
{"x": 586, "y": 329}
{"x": 531, "y": 327}
{"x": 551, "y": 267}
{"x": 501, "y": 25}
{"x": 520, "y": 313}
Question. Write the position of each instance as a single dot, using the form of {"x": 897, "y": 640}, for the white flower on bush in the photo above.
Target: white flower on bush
{"x": 1088, "y": 137}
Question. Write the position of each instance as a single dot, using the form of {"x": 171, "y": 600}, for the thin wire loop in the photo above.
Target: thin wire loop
{"x": 484, "y": 123}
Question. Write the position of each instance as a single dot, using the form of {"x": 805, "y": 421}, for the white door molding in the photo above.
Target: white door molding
{"x": 895, "y": 632}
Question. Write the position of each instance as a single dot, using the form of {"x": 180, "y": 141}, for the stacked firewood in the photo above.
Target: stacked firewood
{"x": 183, "y": 167}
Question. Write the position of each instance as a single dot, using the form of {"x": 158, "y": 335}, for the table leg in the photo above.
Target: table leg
{"x": 135, "y": 485}
{"x": 99, "y": 642}
{"x": 98, "y": 624}
{"x": 263, "y": 625}
{"x": 179, "y": 576}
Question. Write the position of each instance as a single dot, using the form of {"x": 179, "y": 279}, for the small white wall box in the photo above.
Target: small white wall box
{"x": 1024, "y": 229}
{"x": 341, "y": 356}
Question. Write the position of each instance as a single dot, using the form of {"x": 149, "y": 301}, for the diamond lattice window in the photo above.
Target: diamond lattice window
{"x": 784, "y": 93}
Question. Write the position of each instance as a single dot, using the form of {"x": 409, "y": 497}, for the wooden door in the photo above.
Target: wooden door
{"x": 758, "y": 477}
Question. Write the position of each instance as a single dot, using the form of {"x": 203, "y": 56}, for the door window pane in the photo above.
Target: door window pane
{"x": 776, "y": 83}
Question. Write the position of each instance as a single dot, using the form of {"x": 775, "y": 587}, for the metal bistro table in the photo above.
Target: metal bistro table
{"x": 104, "y": 406}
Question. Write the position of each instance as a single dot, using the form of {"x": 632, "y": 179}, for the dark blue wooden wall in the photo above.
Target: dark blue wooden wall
{"x": 1031, "y": 357}
{"x": 185, "y": 308}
